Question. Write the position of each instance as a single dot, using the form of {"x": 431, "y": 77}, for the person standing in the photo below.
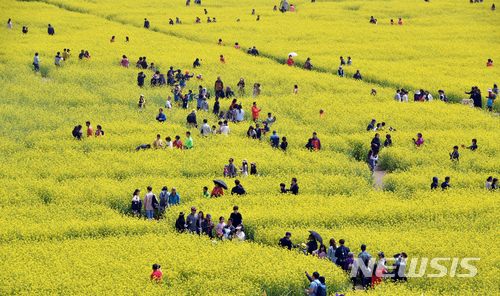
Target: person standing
{"x": 58, "y": 59}
{"x": 148, "y": 203}
{"x": 236, "y": 217}
{"x": 275, "y": 140}
{"x": 9, "y": 24}
{"x": 331, "y": 251}
{"x": 146, "y": 23}
{"x": 173, "y": 198}
{"x": 294, "y": 187}
{"x": 36, "y": 62}
{"x": 255, "y": 112}
{"x": 341, "y": 254}
{"x": 51, "y": 30}
{"x": 191, "y": 220}
{"x": 189, "y": 141}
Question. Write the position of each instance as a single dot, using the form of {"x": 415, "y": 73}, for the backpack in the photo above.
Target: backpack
{"x": 321, "y": 290}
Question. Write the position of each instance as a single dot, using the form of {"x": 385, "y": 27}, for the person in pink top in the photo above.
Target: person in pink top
{"x": 124, "y": 62}
{"x": 292, "y": 8}
{"x": 290, "y": 62}
{"x": 157, "y": 274}
{"x": 255, "y": 111}
{"x": 419, "y": 141}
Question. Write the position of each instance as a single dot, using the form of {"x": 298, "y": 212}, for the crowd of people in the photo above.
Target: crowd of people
{"x": 154, "y": 206}
{"x": 374, "y": 269}
{"x": 77, "y": 132}
{"x": 196, "y": 222}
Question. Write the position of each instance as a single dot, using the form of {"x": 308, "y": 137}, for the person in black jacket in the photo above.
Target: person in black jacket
{"x": 454, "y": 155}
{"x": 51, "y": 30}
{"x": 294, "y": 187}
{"x": 341, "y": 253}
{"x": 435, "y": 183}
{"x": 77, "y": 132}
{"x": 140, "y": 79}
{"x": 191, "y": 119}
{"x": 180, "y": 223}
{"x": 286, "y": 242}
{"x": 146, "y": 23}
{"x": 375, "y": 144}
{"x": 312, "y": 244}
{"x": 475, "y": 96}
{"x": 238, "y": 189}
{"x": 236, "y": 216}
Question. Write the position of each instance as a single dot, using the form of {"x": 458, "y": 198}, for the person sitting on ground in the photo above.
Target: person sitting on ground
{"x": 124, "y": 62}
{"x": 488, "y": 183}
{"x": 314, "y": 144}
{"x": 446, "y": 184}
{"x": 238, "y": 188}
{"x": 400, "y": 21}
{"x": 205, "y": 192}
{"x": 286, "y": 241}
{"x": 229, "y": 229}
{"x": 388, "y": 141}
{"x": 340, "y": 71}
{"x": 77, "y": 132}
{"x": 143, "y": 147}
{"x": 357, "y": 75}
{"x": 494, "y": 184}
{"x": 157, "y": 274}
{"x": 489, "y": 63}
{"x": 290, "y": 62}
{"x": 308, "y": 65}
{"x": 217, "y": 191}
{"x": 473, "y": 146}
{"x": 371, "y": 125}
{"x": 158, "y": 143}
{"x": 419, "y": 141}
{"x": 161, "y": 117}
{"x": 275, "y": 140}
{"x": 372, "y": 20}
{"x": 454, "y": 155}
{"x": 168, "y": 143}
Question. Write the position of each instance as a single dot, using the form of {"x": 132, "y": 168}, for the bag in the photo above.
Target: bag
{"x": 321, "y": 290}
{"x": 154, "y": 202}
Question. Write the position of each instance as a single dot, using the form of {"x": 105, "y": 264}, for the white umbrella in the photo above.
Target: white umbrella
{"x": 293, "y": 54}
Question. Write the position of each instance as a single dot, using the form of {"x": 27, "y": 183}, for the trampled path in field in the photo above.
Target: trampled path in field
{"x": 370, "y": 79}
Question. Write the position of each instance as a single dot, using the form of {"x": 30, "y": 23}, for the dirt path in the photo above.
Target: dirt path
{"x": 378, "y": 178}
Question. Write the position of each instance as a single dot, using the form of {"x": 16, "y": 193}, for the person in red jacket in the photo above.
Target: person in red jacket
{"x": 314, "y": 144}
{"x": 290, "y": 62}
{"x": 255, "y": 111}
{"x": 157, "y": 274}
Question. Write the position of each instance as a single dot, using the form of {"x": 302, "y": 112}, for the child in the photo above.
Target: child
{"x": 168, "y": 143}
{"x": 454, "y": 155}
{"x": 205, "y": 192}
{"x": 446, "y": 184}
{"x": 222, "y": 59}
{"x": 244, "y": 168}
{"x": 253, "y": 168}
{"x": 321, "y": 113}
{"x": 295, "y": 89}
{"x": 282, "y": 188}
{"x": 157, "y": 274}
{"x": 99, "y": 132}
{"x": 419, "y": 141}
